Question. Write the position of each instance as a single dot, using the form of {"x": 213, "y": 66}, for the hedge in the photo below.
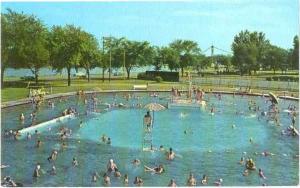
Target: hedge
{"x": 283, "y": 78}
{"x": 165, "y": 75}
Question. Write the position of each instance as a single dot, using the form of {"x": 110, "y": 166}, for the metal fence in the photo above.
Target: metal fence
{"x": 252, "y": 83}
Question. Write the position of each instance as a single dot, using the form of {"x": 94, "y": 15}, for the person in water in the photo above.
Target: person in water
{"x": 126, "y": 181}
{"x": 74, "y": 162}
{"x": 138, "y": 181}
{"x": 218, "y": 182}
{"x": 117, "y": 173}
{"x": 250, "y": 164}
{"x": 37, "y": 171}
{"x": 95, "y": 176}
{"x": 39, "y": 144}
{"x": 104, "y": 138}
{"x": 136, "y": 162}
{"x": 191, "y": 180}
{"x": 111, "y": 166}
{"x": 158, "y": 170}
{"x": 22, "y": 117}
{"x": 261, "y": 174}
{"x": 172, "y": 183}
{"x": 53, "y": 156}
{"x": 242, "y": 160}
{"x": 204, "y": 180}
{"x": 108, "y": 141}
{"x": 106, "y": 179}
{"x": 170, "y": 154}
{"x": 53, "y": 170}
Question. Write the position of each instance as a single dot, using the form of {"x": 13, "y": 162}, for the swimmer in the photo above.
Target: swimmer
{"x": 161, "y": 148}
{"x": 158, "y": 170}
{"x": 136, "y": 162}
{"x": 251, "y": 140}
{"x": 108, "y": 141}
{"x": 28, "y": 136}
{"x": 246, "y": 173}
{"x": 126, "y": 181}
{"x": 172, "y": 183}
{"x": 170, "y": 154}
{"x": 261, "y": 174}
{"x": 106, "y": 179}
{"x": 53, "y": 170}
{"x": 242, "y": 160}
{"x": 138, "y": 181}
{"x": 36, "y": 172}
{"x": 38, "y": 144}
{"x": 104, "y": 138}
{"x": 80, "y": 124}
{"x": 218, "y": 182}
{"x": 233, "y": 126}
{"x": 111, "y": 166}
{"x": 74, "y": 162}
{"x": 22, "y": 117}
{"x": 53, "y": 156}
{"x": 250, "y": 164}
{"x": 117, "y": 173}
{"x": 204, "y": 180}
{"x": 266, "y": 153}
{"x": 95, "y": 176}
{"x": 191, "y": 180}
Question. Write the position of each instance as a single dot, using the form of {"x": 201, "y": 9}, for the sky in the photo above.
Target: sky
{"x": 205, "y": 21}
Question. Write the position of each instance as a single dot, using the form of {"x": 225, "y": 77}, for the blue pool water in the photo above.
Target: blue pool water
{"x": 211, "y": 145}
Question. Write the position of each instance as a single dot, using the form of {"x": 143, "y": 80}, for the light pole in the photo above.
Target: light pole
{"x": 109, "y": 69}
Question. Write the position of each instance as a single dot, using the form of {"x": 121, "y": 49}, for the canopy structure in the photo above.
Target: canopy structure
{"x": 273, "y": 97}
{"x": 154, "y": 107}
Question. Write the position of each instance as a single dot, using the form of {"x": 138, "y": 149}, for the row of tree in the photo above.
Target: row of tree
{"x": 28, "y": 43}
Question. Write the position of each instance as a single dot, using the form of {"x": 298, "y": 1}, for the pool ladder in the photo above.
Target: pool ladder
{"x": 147, "y": 138}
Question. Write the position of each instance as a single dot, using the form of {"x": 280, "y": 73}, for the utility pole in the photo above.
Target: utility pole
{"x": 103, "y": 59}
{"x": 109, "y": 63}
{"x": 124, "y": 65}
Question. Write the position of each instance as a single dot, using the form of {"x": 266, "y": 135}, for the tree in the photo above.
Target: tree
{"x": 294, "y": 55}
{"x": 275, "y": 58}
{"x": 224, "y": 60}
{"x": 24, "y": 43}
{"x": 90, "y": 55}
{"x": 170, "y": 57}
{"x": 135, "y": 54}
{"x": 65, "y": 47}
{"x": 187, "y": 51}
{"x": 248, "y": 50}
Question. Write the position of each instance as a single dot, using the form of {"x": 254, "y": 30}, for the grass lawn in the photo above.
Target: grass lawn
{"x": 16, "y": 89}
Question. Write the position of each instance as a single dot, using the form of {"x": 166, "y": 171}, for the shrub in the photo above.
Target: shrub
{"x": 158, "y": 79}
{"x": 28, "y": 78}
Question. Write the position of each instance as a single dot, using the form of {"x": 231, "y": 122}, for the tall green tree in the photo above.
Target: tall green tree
{"x": 187, "y": 51}
{"x": 65, "y": 47}
{"x": 24, "y": 42}
{"x": 170, "y": 57}
{"x": 89, "y": 53}
{"x": 294, "y": 59}
{"x": 275, "y": 58}
{"x": 248, "y": 50}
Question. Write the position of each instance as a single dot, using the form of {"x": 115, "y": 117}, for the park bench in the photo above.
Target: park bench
{"x": 140, "y": 87}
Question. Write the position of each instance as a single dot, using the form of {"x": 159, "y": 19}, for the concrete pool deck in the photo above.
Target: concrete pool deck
{"x": 47, "y": 97}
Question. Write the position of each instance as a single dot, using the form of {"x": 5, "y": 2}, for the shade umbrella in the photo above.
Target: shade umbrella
{"x": 154, "y": 107}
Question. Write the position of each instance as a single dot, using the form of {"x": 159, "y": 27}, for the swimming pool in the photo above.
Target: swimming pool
{"x": 203, "y": 143}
